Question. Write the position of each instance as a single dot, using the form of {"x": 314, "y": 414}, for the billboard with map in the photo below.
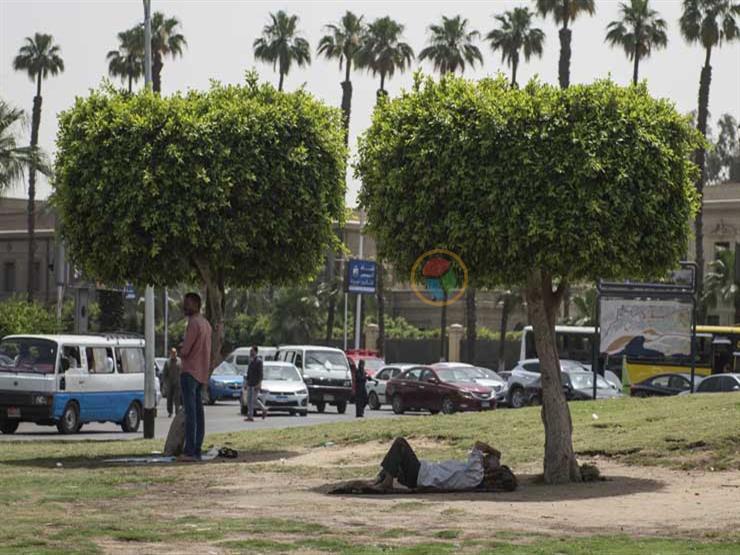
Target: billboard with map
{"x": 645, "y": 328}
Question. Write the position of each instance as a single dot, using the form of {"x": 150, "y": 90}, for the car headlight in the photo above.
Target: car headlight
{"x": 303, "y": 392}
{"x": 467, "y": 394}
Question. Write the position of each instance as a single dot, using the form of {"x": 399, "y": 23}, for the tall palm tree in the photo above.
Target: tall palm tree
{"x": 451, "y": 45}
{"x": 280, "y": 45}
{"x": 39, "y": 57}
{"x": 343, "y": 43}
{"x": 515, "y": 34}
{"x": 638, "y": 31}
{"x": 14, "y": 159}
{"x": 564, "y": 12}
{"x": 710, "y": 23}
{"x": 383, "y": 52}
{"x": 128, "y": 61}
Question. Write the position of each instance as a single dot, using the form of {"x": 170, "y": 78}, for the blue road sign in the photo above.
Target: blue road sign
{"x": 129, "y": 292}
{"x": 361, "y": 276}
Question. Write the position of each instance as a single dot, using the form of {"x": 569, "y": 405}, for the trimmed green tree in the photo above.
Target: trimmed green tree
{"x": 535, "y": 187}
{"x": 234, "y": 186}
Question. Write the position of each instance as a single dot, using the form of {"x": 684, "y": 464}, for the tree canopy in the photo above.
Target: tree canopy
{"x": 237, "y": 185}
{"x": 535, "y": 187}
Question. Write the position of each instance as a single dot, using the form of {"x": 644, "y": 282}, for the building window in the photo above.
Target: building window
{"x": 36, "y": 277}
{"x": 9, "y": 277}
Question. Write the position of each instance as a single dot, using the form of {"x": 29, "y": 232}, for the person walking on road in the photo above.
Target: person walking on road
{"x": 171, "y": 374}
{"x": 360, "y": 389}
{"x": 196, "y": 363}
{"x": 254, "y": 382}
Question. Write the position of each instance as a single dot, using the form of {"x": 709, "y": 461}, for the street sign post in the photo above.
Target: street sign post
{"x": 361, "y": 276}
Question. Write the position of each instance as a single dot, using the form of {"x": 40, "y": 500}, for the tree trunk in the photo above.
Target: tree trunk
{"x": 514, "y": 64}
{"x": 346, "y": 104}
{"x": 157, "y": 65}
{"x": 382, "y": 83}
{"x": 472, "y": 327}
{"x": 130, "y": 84}
{"x": 443, "y": 329}
{"x": 635, "y": 68}
{"x": 502, "y": 335}
{"x": 381, "y": 309}
{"x": 564, "y": 62}
{"x": 280, "y": 83}
{"x": 706, "y": 79}
{"x": 560, "y": 465}
{"x": 31, "y": 211}
{"x": 214, "y": 311}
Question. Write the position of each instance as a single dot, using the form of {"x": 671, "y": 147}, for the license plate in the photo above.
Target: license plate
{"x": 14, "y": 412}
{"x": 281, "y": 397}
{"x": 485, "y": 404}
{"x": 328, "y": 397}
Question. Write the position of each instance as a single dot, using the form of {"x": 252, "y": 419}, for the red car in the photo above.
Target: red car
{"x": 448, "y": 390}
{"x": 373, "y": 362}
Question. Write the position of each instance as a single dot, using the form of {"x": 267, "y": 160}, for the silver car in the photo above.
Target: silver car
{"x": 375, "y": 386}
{"x": 282, "y": 389}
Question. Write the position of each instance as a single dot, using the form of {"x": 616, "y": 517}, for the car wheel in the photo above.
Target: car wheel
{"x": 373, "y": 401}
{"x": 70, "y": 421}
{"x": 9, "y": 426}
{"x": 448, "y": 406}
{"x": 342, "y": 407}
{"x": 132, "y": 419}
{"x": 641, "y": 394}
{"x": 433, "y": 411}
{"x": 535, "y": 400}
{"x": 321, "y": 406}
{"x": 304, "y": 413}
{"x": 516, "y": 398}
{"x": 397, "y": 404}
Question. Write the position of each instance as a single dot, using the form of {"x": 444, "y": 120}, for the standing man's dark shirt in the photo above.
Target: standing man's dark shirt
{"x": 254, "y": 372}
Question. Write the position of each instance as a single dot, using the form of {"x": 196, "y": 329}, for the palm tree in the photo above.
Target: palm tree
{"x": 721, "y": 287}
{"x": 639, "y": 30}
{"x": 711, "y": 23}
{"x": 515, "y": 33}
{"x": 383, "y": 52}
{"x": 564, "y": 12}
{"x": 451, "y": 46}
{"x": 39, "y": 57}
{"x": 281, "y": 46}
{"x": 128, "y": 61}
{"x": 15, "y": 159}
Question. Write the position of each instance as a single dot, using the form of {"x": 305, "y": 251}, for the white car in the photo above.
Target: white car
{"x": 376, "y": 385}
{"x": 527, "y": 372}
{"x": 282, "y": 389}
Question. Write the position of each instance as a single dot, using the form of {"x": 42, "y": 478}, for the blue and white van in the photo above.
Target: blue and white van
{"x": 69, "y": 380}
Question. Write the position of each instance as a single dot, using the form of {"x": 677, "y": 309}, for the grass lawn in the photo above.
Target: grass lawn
{"x": 84, "y": 506}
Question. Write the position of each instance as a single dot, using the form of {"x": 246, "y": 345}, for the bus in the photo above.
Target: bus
{"x": 717, "y": 351}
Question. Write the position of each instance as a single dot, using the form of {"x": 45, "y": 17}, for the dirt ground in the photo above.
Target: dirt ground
{"x": 633, "y": 500}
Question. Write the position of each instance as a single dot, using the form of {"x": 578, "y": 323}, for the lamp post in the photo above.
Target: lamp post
{"x": 150, "y": 396}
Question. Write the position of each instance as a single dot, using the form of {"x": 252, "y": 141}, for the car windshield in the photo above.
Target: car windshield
{"x": 460, "y": 374}
{"x": 373, "y": 364}
{"x": 26, "y": 354}
{"x": 281, "y": 373}
{"x": 226, "y": 369}
{"x": 327, "y": 360}
{"x": 585, "y": 380}
{"x": 571, "y": 366}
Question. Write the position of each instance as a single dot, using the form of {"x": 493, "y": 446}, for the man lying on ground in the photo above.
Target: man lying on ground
{"x": 402, "y": 464}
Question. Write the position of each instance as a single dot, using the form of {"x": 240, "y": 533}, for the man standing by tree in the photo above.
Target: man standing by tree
{"x": 254, "y": 382}
{"x": 196, "y": 360}
{"x": 171, "y": 374}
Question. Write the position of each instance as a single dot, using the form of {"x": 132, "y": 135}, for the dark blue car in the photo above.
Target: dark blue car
{"x": 225, "y": 383}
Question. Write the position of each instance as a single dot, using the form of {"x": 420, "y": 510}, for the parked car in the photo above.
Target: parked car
{"x": 448, "y": 390}
{"x": 577, "y": 386}
{"x": 225, "y": 383}
{"x": 159, "y": 366}
{"x": 663, "y": 385}
{"x": 373, "y": 362}
{"x": 527, "y": 371}
{"x": 240, "y": 357}
{"x": 377, "y": 384}
{"x": 282, "y": 389}
{"x": 720, "y": 383}
{"x": 325, "y": 370}
{"x": 482, "y": 376}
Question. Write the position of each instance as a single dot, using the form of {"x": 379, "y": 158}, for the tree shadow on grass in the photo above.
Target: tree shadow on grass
{"x": 530, "y": 490}
{"x": 143, "y": 459}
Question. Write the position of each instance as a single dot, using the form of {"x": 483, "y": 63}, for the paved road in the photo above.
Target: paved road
{"x": 222, "y": 417}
